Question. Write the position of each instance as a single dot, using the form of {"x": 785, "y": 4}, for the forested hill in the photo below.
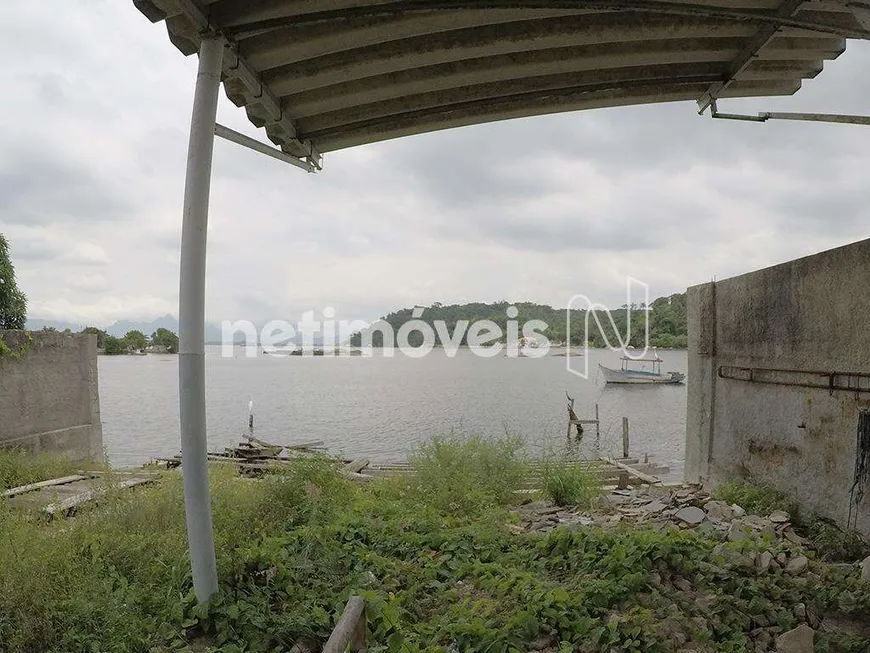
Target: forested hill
{"x": 667, "y": 322}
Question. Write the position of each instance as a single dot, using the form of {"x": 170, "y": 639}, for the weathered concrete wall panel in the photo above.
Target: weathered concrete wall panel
{"x": 49, "y": 398}
{"x": 803, "y": 319}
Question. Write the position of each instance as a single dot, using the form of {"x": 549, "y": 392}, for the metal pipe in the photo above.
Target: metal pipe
{"x": 817, "y": 117}
{"x": 736, "y": 116}
{"x": 252, "y": 143}
{"x": 191, "y": 351}
{"x": 807, "y": 117}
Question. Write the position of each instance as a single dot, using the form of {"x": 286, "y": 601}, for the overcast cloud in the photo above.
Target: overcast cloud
{"x": 95, "y": 115}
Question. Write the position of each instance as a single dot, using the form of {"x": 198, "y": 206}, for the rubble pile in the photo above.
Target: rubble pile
{"x": 685, "y": 507}
{"x": 690, "y": 507}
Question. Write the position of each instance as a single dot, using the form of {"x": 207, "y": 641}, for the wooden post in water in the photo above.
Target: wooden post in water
{"x": 571, "y": 415}
{"x": 625, "y": 437}
{"x": 251, "y": 417}
{"x": 597, "y": 424}
{"x": 573, "y": 420}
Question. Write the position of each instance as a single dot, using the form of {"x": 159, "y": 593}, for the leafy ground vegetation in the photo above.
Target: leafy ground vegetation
{"x": 829, "y": 542}
{"x": 435, "y": 557}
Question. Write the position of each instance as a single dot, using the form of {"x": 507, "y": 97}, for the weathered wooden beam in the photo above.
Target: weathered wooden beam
{"x": 625, "y": 443}
{"x": 646, "y": 478}
{"x": 361, "y": 478}
{"x": 305, "y": 445}
{"x": 263, "y": 443}
{"x": 23, "y": 489}
{"x": 73, "y": 502}
{"x": 357, "y": 465}
{"x": 350, "y": 629}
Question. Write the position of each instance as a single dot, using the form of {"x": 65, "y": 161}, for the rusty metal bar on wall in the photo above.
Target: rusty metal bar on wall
{"x": 829, "y": 380}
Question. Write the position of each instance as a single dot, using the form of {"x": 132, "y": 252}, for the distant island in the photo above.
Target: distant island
{"x": 667, "y": 328}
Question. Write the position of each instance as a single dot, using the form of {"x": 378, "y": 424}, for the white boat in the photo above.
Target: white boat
{"x": 643, "y": 375}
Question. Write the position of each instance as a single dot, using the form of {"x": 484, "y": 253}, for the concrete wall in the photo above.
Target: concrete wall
{"x": 49, "y": 399}
{"x": 809, "y": 315}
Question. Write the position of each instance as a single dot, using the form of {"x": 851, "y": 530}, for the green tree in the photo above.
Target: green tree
{"x": 101, "y": 335}
{"x": 166, "y": 338}
{"x": 13, "y": 302}
{"x": 135, "y": 340}
{"x": 114, "y": 346}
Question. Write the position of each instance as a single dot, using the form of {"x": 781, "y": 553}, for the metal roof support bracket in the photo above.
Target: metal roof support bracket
{"x": 253, "y": 144}
{"x": 714, "y": 113}
{"x": 818, "y": 117}
{"x": 237, "y": 68}
{"x": 764, "y": 116}
{"x": 762, "y": 37}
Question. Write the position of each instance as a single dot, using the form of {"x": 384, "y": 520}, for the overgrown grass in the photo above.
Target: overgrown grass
{"x": 22, "y": 468}
{"x": 439, "y": 572}
{"x": 467, "y": 474}
{"x": 566, "y": 482}
{"x": 116, "y": 578}
{"x": 826, "y": 538}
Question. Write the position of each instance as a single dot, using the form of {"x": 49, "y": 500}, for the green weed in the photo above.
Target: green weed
{"x": 566, "y": 482}
{"x": 756, "y": 499}
{"x": 22, "y": 468}
{"x": 468, "y": 474}
{"x": 831, "y": 542}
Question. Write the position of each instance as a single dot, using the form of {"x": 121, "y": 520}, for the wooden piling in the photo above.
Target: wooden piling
{"x": 598, "y": 425}
{"x": 578, "y": 423}
{"x": 571, "y": 416}
{"x": 625, "y": 446}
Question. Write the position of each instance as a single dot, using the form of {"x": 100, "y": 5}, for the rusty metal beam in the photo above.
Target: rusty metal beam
{"x": 761, "y": 38}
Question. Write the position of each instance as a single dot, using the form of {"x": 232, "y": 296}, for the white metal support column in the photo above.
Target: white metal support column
{"x": 191, "y": 359}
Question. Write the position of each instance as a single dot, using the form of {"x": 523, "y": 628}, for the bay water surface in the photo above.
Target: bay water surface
{"x": 380, "y": 408}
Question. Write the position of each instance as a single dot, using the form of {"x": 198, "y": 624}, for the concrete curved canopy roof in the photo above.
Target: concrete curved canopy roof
{"x": 321, "y": 75}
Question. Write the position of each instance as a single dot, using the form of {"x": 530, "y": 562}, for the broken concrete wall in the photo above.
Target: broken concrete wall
{"x": 762, "y": 350}
{"x": 49, "y": 396}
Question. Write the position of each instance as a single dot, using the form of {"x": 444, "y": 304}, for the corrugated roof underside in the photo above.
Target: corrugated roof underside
{"x": 339, "y": 73}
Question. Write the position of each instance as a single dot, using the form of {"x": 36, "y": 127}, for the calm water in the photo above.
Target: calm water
{"x": 379, "y": 407}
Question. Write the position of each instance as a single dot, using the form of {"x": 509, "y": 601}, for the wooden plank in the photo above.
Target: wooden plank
{"x": 350, "y": 629}
{"x": 263, "y": 443}
{"x": 646, "y": 478}
{"x": 76, "y": 500}
{"x": 603, "y": 483}
{"x": 605, "y": 472}
{"x": 249, "y": 464}
{"x": 23, "y": 489}
{"x": 219, "y": 458}
{"x": 121, "y": 472}
{"x": 357, "y": 465}
{"x": 362, "y": 478}
{"x": 314, "y": 444}
{"x": 248, "y": 450}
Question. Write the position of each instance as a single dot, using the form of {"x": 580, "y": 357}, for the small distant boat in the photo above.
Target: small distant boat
{"x": 629, "y": 374}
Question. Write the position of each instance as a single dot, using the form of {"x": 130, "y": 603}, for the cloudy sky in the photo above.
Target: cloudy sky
{"x": 95, "y": 115}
